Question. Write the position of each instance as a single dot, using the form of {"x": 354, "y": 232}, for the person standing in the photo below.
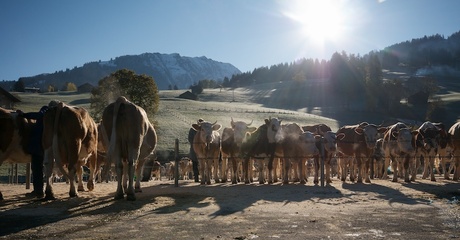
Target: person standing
{"x": 192, "y": 154}
{"x": 35, "y": 149}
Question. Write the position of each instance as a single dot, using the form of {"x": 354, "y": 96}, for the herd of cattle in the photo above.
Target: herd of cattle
{"x": 72, "y": 139}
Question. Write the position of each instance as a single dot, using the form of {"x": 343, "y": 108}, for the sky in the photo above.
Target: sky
{"x": 46, "y": 36}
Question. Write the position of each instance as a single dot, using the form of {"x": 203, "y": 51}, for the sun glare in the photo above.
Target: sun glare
{"x": 319, "y": 21}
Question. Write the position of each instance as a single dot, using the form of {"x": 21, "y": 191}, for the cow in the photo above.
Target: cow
{"x": 329, "y": 140}
{"x": 378, "y": 157}
{"x": 357, "y": 141}
{"x": 129, "y": 139}
{"x": 156, "y": 171}
{"x": 206, "y": 144}
{"x": 273, "y": 126}
{"x": 185, "y": 167}
{"x": 232, "y": 138}
{"x": 260, "y": 145}
{"x": 399, "y": 147}
{"x": 69, "y": 139}
{"x": 427, "y": 138}
{"x": 297, "y": 147}
{"x": 444, "y": 150}
{"x": 15, "y": 136}
{"x": 454, "y": 142}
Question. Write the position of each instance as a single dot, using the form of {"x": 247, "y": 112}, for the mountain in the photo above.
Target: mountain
{"x": 166, "y": 69}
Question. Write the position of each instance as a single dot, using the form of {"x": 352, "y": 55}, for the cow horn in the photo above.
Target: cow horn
{"x": 251, "y": 122}
{"x": 232, "y": 120}
{"x": 214, "y": 122}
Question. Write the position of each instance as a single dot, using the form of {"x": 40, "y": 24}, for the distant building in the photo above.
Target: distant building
{"x": 188, "y": 95}
{"x": 7, "y": 100}
{"x": 32, "y": 89}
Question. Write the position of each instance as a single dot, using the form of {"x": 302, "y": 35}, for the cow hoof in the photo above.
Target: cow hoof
{"x": 407, "y": 180}
{"x": 131, "y": 197}
{"x": 433, "y": 179}
{"x": 217, "y": 181}
{"x": 234, "y": 182}
{"x": 246, "y": 182}
{"x": 90, "y": 186}
{"x": 303, "y": 182}
{"x": 137, "y": 190}
{"x": 368, "y": 181}
{"x": 317, "y": 181}
{"x": 49, "y": 197}
{"x": 286, "y": 182}
{"x": 118, "y": 196}
{"x": 81, "y": 189}
{"x": 394, "y": 180}
{"x": 261, "y": 182}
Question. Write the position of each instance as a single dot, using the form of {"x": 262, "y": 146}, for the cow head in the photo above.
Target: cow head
{"x": 308, "y": 142}
{"x": 430, "y": 138}
{"x": 404, "y": 140}
{"x": 329, "y": 141}
{"x": 273, "y": 126}
{"x": 370, "y": 133}
{"x": 240, "y": 129}
{"x": 207, "y": 131}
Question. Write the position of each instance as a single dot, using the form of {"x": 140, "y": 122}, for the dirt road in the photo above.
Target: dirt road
{"x": 381, "y": 210}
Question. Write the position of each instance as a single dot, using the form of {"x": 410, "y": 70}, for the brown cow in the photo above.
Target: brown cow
{"x": 232, "y": 138}
{"x": 14, "y": 138}
{"x": 330, "y": 147}
{"x": 297, "y": 147}
{"x": 206, "y": 144}
{"x": 130, "y": 138}
{"x": 70, "y": 137}
{"x": 358, "y": 142}
{"x": 427, "y": 138}
{"x": 399, "y": 147}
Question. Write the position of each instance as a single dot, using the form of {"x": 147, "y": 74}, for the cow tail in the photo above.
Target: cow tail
{"x": 55, "y": 144}
{"x": 113, "y": 137}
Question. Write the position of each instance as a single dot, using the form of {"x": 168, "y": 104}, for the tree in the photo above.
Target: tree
{"x": 19, "y": 86}
{"x": 139, "y": 89}
{"x": 69, "y": 86}
{"x": 374, "y": 80}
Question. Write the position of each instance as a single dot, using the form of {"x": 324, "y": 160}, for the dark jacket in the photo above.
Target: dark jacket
{"x": 35, "y": 144}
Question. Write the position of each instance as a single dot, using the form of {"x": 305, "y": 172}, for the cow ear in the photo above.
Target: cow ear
{"x": 196, "y": 127}
{"x": 395, "y": 134}
{"x": 382, "y": 129}
{"x": 216, "y": 127}
{"x": 359, "y": 131}
{"x": 340, "y": 136}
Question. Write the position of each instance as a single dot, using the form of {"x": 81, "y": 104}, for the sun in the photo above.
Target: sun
{"x": 319, "y": 21}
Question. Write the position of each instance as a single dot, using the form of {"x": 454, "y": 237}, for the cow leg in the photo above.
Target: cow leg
{"x": 327, "y": 165}
{"x": 406, "y": 161}
{"x": 394, "y": 165}
{"x": 130, "y": 175}
{"x": 217, "y": 171}
{"x": 366, "y": 170}
{"x": 316, "y": 166}
{"x": 79, "y": 172}
{"x": 246, "y": 170}
{"x": 92, "y": 171}
{"x": 234, "y": 171}
{"x": 224, "y": 173}
{"x": 202, "y": 171}
{"x": 48, "y": 163}
{"x": 119, "y": 169}
{"x": 301, "y": 163}
{"x": 286, "y": 166}
{"x": 261, "y": 167}
{"x": 456, "y": 163}
{"x": 431, "y": 166}
{"x": 139, "y": 169}
{"x": 270, "y": 169}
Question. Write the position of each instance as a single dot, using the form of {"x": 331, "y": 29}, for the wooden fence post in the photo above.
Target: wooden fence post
{"x": 27, "y": 175}
{"x": 176, "y": 165}
{"x": 322, "y": 160}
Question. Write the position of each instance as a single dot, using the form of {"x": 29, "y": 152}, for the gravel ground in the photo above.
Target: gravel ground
{"x": 381, "y": 210}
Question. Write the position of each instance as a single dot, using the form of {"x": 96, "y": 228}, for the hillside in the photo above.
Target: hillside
{"x": 166, "y": 69}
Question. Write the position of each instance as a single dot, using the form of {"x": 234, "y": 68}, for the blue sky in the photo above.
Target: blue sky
{"x": 47, "y": 36}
